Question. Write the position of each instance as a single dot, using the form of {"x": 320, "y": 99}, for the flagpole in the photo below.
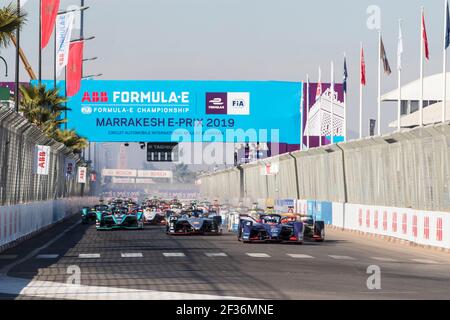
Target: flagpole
{"x": 344, "y": 129}
{"x": 379, "y": 83}
{"x": 320, "y": 108}
{"x": 332, "y": 102}
{"x": 421, "y": 69}
{"x": 444, "y": 91}
{"x": 40, "y": 41}
{"x": 307, "y": 112}
{"x": 360, "y": 92}
{"x": 399, "y": 68}
{"x": 17, "y": 79}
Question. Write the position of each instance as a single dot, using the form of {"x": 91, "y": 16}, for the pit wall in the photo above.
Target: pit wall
{"x": 21, "y": 222}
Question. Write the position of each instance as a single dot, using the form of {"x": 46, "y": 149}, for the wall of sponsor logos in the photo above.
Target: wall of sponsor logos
{"x": 396, "y": 185}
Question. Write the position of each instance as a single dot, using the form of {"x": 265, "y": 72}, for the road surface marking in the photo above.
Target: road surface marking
{"x": 341, "y": 257}
{"x": 174, "y": 254}
{"x": 56, "y": 290}
{"x": 8, "y": 257}
{"x": 425, "y": 261}
{"x": 47, "y": 256}
{"x": 300, "y": 256}
{"x": 89, "y": 255}
{"x": 384, "y": 259}
{"x": 214, "y": 254}
{"x": 132, "y": 255}
{"x": 258, "y": 255}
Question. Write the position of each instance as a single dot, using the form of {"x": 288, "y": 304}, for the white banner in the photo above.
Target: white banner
{"x": 145, "y": 181}
{"x": 69, "y": 167}
{"x": 154, "y": 174}
{"x": 118, "y": 173}
{"x": 41, "y": 159}
{"x": 123, "y": 180}
{"x": 64, "y": 26}
{"x": 82, "y": 173}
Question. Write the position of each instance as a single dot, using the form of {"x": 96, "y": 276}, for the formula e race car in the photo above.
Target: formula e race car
{"x": 194, "y": 222}
{"x": 154, "y": 217}
{"x": 120, "y": 218}
{"x": 280, "y": 228}
{"x": 89, "y": 215}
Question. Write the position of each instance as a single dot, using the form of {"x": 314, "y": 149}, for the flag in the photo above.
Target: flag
{"x": 319, "y": 85}
{"x": 74, "y": 67}
{"x": 363, "y": 68}
{"x": 447, "y": 28}
{"x": 49, "y": 11}
{"x": 64, "y": 24}
{"x": 399, "y": 48}
{"x": 386, "y": 66}
{"x": 344, "y": 82}
{"x": 425, "y": 38}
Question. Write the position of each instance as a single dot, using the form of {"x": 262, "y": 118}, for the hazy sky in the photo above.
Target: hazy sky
{"x": 247, "y": 40}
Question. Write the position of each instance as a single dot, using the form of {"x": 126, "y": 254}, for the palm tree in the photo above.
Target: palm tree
{"x": 71, "y": 140}
{"x": 10, "y": 20}
{"x": 39, "y": 96}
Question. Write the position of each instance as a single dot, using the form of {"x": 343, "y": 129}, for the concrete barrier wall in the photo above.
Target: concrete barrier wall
{"x": 22, "y": 220}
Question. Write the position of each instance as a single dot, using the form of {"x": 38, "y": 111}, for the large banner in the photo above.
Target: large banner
{"x": 317, "y": 120}
{"x": 190, "y": 111}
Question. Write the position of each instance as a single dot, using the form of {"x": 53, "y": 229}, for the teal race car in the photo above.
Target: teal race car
{"x": 120, "y": 218}
{"x": 89, "y": 215}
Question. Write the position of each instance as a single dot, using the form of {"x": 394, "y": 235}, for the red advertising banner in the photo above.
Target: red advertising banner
{"x": 49, "y": 11}
{"x": 74, "y": 68}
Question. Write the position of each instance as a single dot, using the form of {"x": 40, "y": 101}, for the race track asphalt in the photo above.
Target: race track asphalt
{"x": 148, "y": 264}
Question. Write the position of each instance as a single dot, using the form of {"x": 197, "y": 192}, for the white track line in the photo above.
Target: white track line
{"x": 300, "y": 256}
{"x": 341, "y": 257}
{"x": 425, "y": 261}
{"x": 47, "y": 256}
{"x": 258, "y": 255}
{"x": 89, "y": 255}
{"x": 132, "y": 255}
{"x": 173, "y": 254}
{"x": 215, "y": 254}
{"x": 384, "y": 259}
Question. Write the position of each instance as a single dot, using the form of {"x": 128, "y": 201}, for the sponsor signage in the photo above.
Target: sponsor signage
{"x": 82, "y": 173}
{"x": 145, "y": 181}
{"x": 69, "y": 167}
{"x": 190, "y": 111}
{"x": 41, "y": 159}
{"x": 269, "y": 169}
{"x": 154, "y": 174}
{"x": 123, "y": 180}
{"x": 162, "y": 152}
{"x": 119, "y": 173}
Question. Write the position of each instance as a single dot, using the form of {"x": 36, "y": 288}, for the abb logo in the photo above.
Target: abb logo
{"x": 368, "y": 218}
{"x": 360, "y": 217}
{"x": 42, "y": 158}
{"x": 426, "y": 228}
{"x": 415, "y": 226}
{"x": 439, "y": 229}
{"x": 394, "y": 222}
{"x": 385, "y": 221}
{"x": 375, "y": 219}
{"x": 404, "y": 223}
{"x": 95, "y": 97}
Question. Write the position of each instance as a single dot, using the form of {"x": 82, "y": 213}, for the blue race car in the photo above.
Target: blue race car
{"x": 120, "y": 218}
{"x": 270, "y": 227}
{"x": 194, "y": 222}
